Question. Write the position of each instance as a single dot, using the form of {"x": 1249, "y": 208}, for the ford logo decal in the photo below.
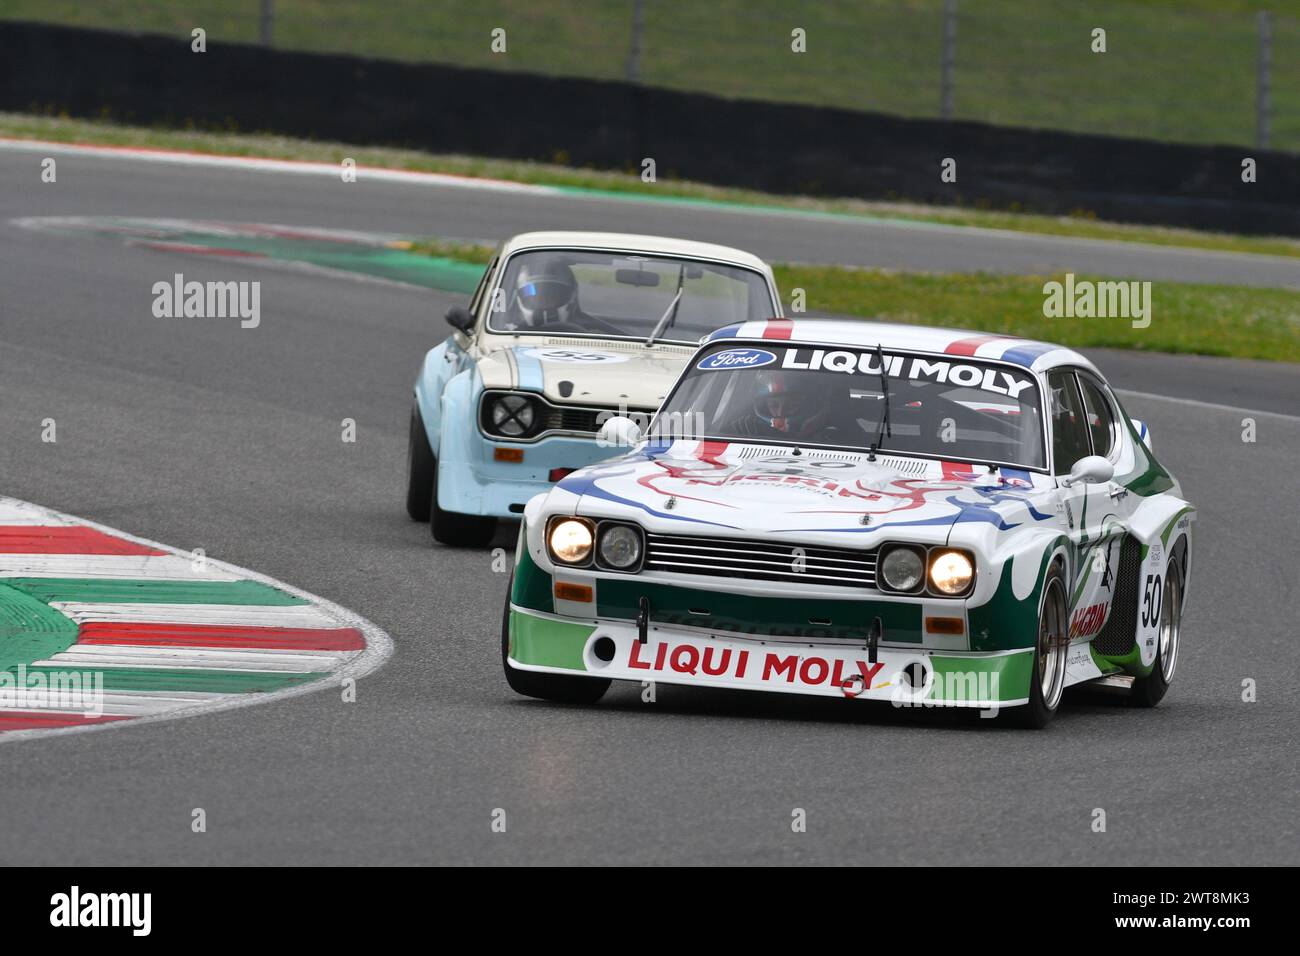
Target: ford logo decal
{"x": 736, "y": 358}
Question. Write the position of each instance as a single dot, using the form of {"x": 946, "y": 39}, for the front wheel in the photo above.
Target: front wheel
{"x": 456, "y": 529}
{"x": 1047, "y": 679}
{"x": 557, "y": 687}
{"x": 1150, "y": 690}
{"x": 419, "y": 469}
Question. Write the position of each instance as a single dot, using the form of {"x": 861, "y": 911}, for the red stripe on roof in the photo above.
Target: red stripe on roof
{"x": 65, "y": 539}
{"x": 778, "y": 329}
{"x": 969, "y": 345}
{"x": 951, "y": 469}
{"x": 221, "y": 635}
{"x": 44, "y": 720}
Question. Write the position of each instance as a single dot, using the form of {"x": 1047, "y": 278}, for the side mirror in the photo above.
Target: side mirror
{"x": 460, "y": 318}
{"x": 1143, "y": 432}
{"x": 618, "y": 432}
{"x": 1089, "y": 470}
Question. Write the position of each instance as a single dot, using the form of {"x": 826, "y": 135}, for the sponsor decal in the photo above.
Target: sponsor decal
{"x": 573, "y": 356}
{"x": 1087, "y": 621}
{"x": 1000, "y": 381}
{"x": 736, "y": 358}
{"x": 769, "y": 667}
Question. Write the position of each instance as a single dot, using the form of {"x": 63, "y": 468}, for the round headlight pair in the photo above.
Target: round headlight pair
{"x": 571, "y": 541}
{"x": 512, "y": 415}
{"x": 903, "y": 569}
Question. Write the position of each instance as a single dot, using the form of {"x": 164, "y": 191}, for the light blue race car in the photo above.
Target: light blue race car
{"x": 565, "y": 330}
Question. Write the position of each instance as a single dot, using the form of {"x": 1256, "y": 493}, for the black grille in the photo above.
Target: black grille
{"x": 587, "y": 420}
{"x": 760, "y": 560}
{"x": 1115, "y": 639}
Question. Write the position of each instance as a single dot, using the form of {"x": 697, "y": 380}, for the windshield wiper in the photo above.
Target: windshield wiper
{"x": 884, "y": 431}
{"x": 670, "y": 315}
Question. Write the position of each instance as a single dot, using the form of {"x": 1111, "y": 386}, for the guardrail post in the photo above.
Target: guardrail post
{"x": 948, "y": 59}
{"x": 1263, "y": 78}
{"x": 265, "y": 21}
{"x": 634, "y": 46}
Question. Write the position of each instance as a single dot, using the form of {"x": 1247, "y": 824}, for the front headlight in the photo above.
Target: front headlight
{"x": 512, "y": 415}
{"x": 902, "y": 569}
{"x": 570, "y": 540}
{"x": 951, "y": 572}
{"x": 620, "y": 546}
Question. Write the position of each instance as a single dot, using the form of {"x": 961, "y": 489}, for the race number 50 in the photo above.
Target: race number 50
{"x": 1151, "y": 601}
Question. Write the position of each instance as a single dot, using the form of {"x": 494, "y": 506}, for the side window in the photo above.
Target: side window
{"x": 1101, "y": 417}
{"x": 477, "y": 299}
{"x": 1069, "y": 430}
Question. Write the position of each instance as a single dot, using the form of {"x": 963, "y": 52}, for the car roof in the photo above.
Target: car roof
{"x": 630, "y": 242}
{"x": 1034, "y": 355}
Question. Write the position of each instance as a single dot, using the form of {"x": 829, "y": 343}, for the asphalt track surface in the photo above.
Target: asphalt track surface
{"x": 201, "y": 434}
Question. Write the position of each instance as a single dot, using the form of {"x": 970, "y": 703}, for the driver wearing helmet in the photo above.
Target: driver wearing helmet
{"x": 546, "y": 293}
{"x": 786, "y": 406}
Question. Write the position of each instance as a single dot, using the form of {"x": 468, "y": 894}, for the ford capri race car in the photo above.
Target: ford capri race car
{"x": 868, "y": 511}
{"x": 564, "y": 331}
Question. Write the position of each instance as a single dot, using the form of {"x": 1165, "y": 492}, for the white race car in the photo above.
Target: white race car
{"x": 565, "y": 330}
{"x": 862, "y": 510}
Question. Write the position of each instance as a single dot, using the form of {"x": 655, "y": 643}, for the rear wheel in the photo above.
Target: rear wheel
{"x": 459, "y": 530}
{"x": 419, "y": 469}
{"x": 1150, "y": 690}
{"x": 557, "y": 687}
{"x": 1047, "y": 680}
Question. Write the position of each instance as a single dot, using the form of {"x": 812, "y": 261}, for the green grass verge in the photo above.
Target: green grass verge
{"x": 1082, "y": 225}
{"x": 1173, "y": 69}
{"x": 1200, "y": 319}
{"x": 1229, "y": 321}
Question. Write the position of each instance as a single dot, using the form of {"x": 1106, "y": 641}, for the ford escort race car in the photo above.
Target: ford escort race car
{"x": 564, "y": 331}
{"x": 862, "y": 510}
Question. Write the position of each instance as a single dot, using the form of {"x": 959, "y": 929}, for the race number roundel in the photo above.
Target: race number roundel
{"x": 574, "y": 356}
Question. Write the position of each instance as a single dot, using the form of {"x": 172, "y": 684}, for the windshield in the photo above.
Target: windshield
{"x": 940, "y": 407}
{"x": 618, "y": 294}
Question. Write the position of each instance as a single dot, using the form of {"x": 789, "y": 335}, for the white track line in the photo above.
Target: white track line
{"x": 266, "y": 165}
{"x": 1195, "y": 403}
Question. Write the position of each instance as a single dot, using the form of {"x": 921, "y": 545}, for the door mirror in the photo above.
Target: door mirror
{"x": 618, "y": 432}
{"x": 460, "y": 318}
{"x": 1089, "y": 470}
{"x": 1143, "y": 432}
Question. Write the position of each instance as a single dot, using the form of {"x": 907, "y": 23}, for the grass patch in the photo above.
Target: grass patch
{"x": 1228, "y": 321}
{"x": 1217, "y": 320}
{"x": 627, "y": 185}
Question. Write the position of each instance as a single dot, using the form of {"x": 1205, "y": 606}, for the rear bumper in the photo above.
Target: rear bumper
{"x": 607, "y": 648}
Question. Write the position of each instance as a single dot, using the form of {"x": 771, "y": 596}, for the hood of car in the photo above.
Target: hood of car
{"x": 582, "y": 372}
{"x": 693, "y": 487}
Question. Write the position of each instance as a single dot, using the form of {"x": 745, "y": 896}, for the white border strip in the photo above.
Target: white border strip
{"x": 379, "y": 646}
{"x": 177, "y": 157}
{"x": 1235, "y": 409}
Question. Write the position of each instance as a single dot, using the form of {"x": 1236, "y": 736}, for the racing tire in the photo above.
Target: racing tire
{"x": 554, "y": 687}
{"x": 1051, "y": 647}
{"x": 459, "y": 530}
{"x": 419, "y": 469}
{"x": 1150, "y": 690}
